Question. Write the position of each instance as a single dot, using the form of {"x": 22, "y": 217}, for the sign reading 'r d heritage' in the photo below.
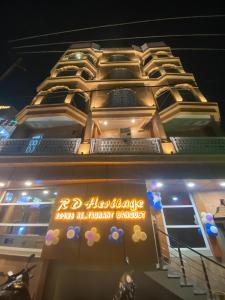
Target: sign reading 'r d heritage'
{"x": 95, "y": 209}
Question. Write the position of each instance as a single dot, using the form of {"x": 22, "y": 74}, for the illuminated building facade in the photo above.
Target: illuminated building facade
{"x": 117, "y": 164}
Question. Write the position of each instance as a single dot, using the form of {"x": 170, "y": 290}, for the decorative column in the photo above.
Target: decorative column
{"x": 85, "y": 145}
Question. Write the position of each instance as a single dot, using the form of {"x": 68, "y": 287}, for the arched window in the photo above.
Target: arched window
{"x": 118, "y": 57}
{"x": 76, "y": 56}
{"x": 86, "y": 75}
{"x": 162, "y": 54}
{"x": 122, "y": 98}
{"x": 164, "y": 99}
{"x": 79, "y": 100}
{"x": 154, "y": 74}
{"x": 121, "y": 73}
{"x": 67, "y": 72}
{"x": 171, "y": 69}
{"x": 148, "y": 59}
{"x": 187, "y": 94}
{"x": 57, "y": 96}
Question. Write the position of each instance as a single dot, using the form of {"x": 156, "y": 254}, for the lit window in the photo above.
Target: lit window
{"x": 24, "y": 217}
{"x": 33, "y": 143}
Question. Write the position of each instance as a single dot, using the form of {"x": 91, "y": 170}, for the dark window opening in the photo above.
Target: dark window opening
{"x": 118, "y": 57}
{"x": 79, "y": 102}
{"x": 162, "y": 55}
{"x": 164, "y": 100}
{"x": 179, "y": 216}
{"x": 148, "y": 59}
{"x": 154, "y": 74}
{"x": 188, "y": 236}
{"x": 121, "y": 73}
{"x": 171, "y": 70}
{"x": 57, "y": 96}
{"x": 187, "y": 95}
{"x": 122, "y": 98}
{"x": 69, "y": 72}
{"x": 86, "y": 75}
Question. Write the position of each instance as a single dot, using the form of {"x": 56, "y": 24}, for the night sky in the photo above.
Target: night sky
{"x": 23, "y": 18}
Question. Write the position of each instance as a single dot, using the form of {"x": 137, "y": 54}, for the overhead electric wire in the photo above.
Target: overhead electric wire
{"x": 175, "y": 49}
{"x": 125, "y": 38}
{"x": 116, "y": 25}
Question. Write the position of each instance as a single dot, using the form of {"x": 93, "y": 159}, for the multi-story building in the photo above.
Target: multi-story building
{"x": 118, "y": 164}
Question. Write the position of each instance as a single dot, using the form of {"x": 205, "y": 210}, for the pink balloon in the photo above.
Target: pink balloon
{"x": 90, "y": 236}
{"x": 49, "y": 237}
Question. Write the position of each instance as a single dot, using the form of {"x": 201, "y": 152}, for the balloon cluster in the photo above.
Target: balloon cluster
{"x": 52, "y": 237}
{"x": 154, "y": 200}
{"x": 92, "y": 236}
{"x": 116, "y": 234}
{"x": 73, "y": 233}
{"x": 208, "y": 221}
{"x": 138, "y": 235}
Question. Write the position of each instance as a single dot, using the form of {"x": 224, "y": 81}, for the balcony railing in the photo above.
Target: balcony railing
{"x": 125, "y": 146}
{"x": 41, "y": 147}
{"x": 199, "y": 145}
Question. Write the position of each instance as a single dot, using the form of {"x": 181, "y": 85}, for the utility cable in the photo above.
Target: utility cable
{"x": 116, "y": 25}
{"x": 175, "y": 49}
{"x": 125, "y": 38}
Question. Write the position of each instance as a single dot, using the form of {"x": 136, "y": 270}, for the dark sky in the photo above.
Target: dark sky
{"x": 22, "y": 18}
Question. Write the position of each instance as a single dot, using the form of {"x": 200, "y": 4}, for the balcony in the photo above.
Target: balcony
{"x": 43, "y": 147}
{"x": 199, "y": 145}
{"x": 125, "y": 146}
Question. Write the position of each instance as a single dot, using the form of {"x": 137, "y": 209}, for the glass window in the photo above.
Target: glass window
{"x": 188, "y": 236}
{"x": 175, "y": 198}
{"x": 68, "y": 72}
{"x": 171, "y": 70}
{"x": 33, "y": 143}
{"x": 179, "y": 216}
{"x": 123, "y": 97}
{"x": 187, "y": 95}
{"x": 154, "y": 74}
{"x": 25, "y": 216}
{"x": 164, "y": 100}
{"x": 58, "y": 96}
{"x": 121, "y": 73}
{"x": 118, "y": 57}
{"x": 4, "y": 134}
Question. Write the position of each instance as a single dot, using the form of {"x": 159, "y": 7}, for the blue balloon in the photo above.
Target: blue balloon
{"x": 77, "y": 229}
{"x": 113, "y": 228}
{"x": 121, "y": 232}
{"x": 110, "y": 237}
{"x": 157, "y": 205}
{"x": 150, "y": 198}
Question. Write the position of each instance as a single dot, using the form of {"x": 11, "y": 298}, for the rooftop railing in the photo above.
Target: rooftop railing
{"x": 199, "y": 145}
{"x": 125, "y": 146}
{"x": 27, "y": 147}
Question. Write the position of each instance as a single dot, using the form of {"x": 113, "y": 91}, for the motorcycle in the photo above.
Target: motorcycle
{"x": 16, "y": 287}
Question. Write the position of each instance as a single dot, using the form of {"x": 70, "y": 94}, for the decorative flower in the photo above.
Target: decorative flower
{"x": 116, "y": 234}
{"x": 138, "y": 235}
{"x": 73, "y": 233}
{"x": 92, "y": 236}
{"x": 52, "y": 237}
{"x": 154, "y": 200}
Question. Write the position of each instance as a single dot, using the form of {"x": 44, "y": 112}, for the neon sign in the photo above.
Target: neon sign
{"x": 95, "y": 209}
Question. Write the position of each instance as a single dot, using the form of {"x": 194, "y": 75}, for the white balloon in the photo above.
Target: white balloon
{"x": 203, "y": 214}
{"x": 214, "y": 229}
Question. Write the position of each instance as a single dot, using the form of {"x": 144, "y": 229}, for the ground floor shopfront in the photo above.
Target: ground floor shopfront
{"x": 86, "y": 234}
